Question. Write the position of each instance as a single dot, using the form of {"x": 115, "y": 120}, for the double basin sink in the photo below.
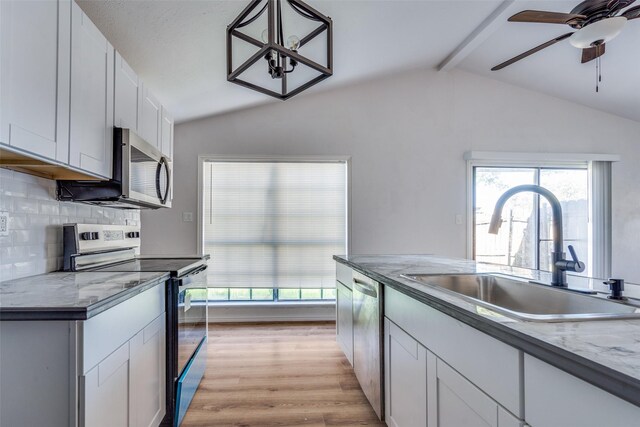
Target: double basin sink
{"x": 527, "y": 301}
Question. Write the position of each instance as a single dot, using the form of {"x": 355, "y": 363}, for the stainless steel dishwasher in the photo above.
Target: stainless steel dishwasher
{"x": 367, "y": 339}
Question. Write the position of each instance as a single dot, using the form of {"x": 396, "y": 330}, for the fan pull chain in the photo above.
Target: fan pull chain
{"x": 598, "y": 75}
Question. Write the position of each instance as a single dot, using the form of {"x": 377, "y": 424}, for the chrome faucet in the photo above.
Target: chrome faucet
{"x": 559, "y": 265}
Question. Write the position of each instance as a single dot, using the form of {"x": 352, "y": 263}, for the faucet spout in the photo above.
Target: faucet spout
{"x": 559, "y": 264}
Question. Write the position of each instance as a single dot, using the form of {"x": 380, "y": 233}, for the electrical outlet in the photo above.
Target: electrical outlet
{"x": 4, "y": 223}
{"x": 187, "y": 216}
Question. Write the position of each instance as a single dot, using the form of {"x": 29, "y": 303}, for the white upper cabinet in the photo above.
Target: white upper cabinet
{"x": 126, "y": 95}
{"x": 166, "y": 134}
{"x": 91, "y": 130}
{"x": 150, "y": 117}
{"x": 34, "y": 58}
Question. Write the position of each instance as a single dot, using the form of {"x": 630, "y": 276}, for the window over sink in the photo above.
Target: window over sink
{"x": 525, "y": 239}
{"x": 272, "y": 226}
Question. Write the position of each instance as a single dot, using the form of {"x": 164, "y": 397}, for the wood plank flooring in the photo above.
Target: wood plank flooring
{"x": 278, "y": 374}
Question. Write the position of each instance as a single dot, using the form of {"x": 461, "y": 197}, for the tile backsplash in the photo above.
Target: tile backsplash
{"x": 33, "y": 244}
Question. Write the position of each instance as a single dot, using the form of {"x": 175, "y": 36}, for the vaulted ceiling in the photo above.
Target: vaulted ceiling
{"x": 178, "y": 48}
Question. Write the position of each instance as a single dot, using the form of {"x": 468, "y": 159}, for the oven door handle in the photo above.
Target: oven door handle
{"x": 189, "y": 278}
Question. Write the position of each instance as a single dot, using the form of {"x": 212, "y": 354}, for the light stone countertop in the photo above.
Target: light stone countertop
{"x": 71, "y": 295}
{"x": 605, "y": 353}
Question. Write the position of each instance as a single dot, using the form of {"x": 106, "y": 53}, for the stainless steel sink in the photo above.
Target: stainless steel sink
{"x": 527, "y": 301}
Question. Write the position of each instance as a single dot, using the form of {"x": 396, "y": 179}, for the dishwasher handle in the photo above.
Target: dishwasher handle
{"x": 365, "y": 288}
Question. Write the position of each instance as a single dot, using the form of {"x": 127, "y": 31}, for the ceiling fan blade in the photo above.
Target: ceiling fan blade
{"x": 541, "y": 16}
{"x": 615, "y": 6}
{"x": 530, "y": 52}
{"x": 632, "y": 13}
{"x": 591, "y": 53}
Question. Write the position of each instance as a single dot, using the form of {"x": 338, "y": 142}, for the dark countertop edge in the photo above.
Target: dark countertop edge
{"x": 610, "y": 380}
{"x": 78, "y": 313}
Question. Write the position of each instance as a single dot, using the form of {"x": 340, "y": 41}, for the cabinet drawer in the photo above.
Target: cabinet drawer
{"x": 344, "y": 274}
{"x": 554, "y": 398}
{"x": 488, "y": 363}
{"x": 107, "y": 331}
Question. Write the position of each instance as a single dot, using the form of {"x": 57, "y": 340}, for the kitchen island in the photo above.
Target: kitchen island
{"x": 503, "y": 358}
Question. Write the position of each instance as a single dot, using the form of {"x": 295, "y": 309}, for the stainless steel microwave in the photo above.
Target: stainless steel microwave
{"x": 142, "y": 177}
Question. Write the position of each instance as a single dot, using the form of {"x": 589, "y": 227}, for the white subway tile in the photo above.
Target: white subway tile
{"x": 82, "y": 211}
{"x": 15, "y": 188}
{"x": 49, "y": 208}
{"x": 18, "y": 221}
{"x": 6, "y": 240}
{"x": 68, "y": 209}
{"x": 25, "y": 237}
{"x": 6, "y": 272}
{"x": 6, "y": 202}
{"x": 38, "y": 191}
{"x": 24, "y": 269}
{"x": 24, "y": 205}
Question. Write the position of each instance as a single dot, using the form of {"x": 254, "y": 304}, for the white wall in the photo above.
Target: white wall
{"x": 407, "y": 135}
{"x": 34, "y": 242}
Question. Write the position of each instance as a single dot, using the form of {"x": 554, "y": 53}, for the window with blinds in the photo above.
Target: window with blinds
{"x": 274, "y": 224}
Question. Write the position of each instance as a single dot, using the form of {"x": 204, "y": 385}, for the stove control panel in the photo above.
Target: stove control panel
{"x": 87, "y": 238}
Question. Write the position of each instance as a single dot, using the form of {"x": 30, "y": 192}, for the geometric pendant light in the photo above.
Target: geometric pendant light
{"x": 276, "y": 65}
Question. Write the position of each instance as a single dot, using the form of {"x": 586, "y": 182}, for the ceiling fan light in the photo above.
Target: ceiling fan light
{"x": 599, "y": 32}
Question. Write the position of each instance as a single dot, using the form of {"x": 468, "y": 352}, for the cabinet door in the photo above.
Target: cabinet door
{"x": 34, "y": 76}
{"x": 126, "y": 95}
{"x": 405, "y": 371}
{"x": 344, "y": 320}
{"x": 148, "y": 387}
{"x": 166, "y": 134}
{"x": 454, "y": 401}
{"x": 91, "y": 132}
{"x": 150, "y": 115}
{"x": 105, "y": 400}
{"x": 554, "y": 398}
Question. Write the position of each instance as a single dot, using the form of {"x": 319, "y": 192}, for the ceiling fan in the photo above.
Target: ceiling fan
{"x": 596, "y": 22}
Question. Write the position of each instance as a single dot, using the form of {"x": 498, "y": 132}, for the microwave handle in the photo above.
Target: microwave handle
{"x": 163, "y": 198}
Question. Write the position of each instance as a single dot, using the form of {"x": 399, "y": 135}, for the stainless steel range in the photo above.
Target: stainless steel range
{"x": 115, "y": 248}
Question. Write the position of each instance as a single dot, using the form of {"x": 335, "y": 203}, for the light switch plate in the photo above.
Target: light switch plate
{"x": 187, "y": 216}
{"x": 4, "y": 223}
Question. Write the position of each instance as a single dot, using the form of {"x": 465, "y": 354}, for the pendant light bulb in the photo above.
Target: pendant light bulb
{"x": 293, "y": 43}
{"x": 265, "y": 36}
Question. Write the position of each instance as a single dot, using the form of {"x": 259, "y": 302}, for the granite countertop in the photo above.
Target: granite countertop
{"x": 71, "y": 295}
{"x": 605, "y": 353}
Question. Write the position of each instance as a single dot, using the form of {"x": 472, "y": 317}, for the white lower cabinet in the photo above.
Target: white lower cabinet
{"x": 421, "y": 390}
{"x": 107, "y": 371}
{"x": 106, "y": 396}
{"x": 148, "y": 364}
{"x": 454, "y": 401}
{"x": 127, "y": 388}
{"x": 405, "y": 378}
{"x": 554, "y": 398}
{"x": 344, "y": 320}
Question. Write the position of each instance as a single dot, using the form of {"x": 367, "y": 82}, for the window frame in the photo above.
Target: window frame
{"x": 599, "y": 176}
{"x": 203, "y": 159}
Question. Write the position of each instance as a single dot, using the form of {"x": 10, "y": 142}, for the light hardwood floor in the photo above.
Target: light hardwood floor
{"x": 278, "y": 374}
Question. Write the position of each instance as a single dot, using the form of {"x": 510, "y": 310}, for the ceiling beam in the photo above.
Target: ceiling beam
{"x": 479, "y": 35}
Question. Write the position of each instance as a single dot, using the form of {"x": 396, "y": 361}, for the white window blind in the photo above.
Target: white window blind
{"x": 274, "y": 224}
